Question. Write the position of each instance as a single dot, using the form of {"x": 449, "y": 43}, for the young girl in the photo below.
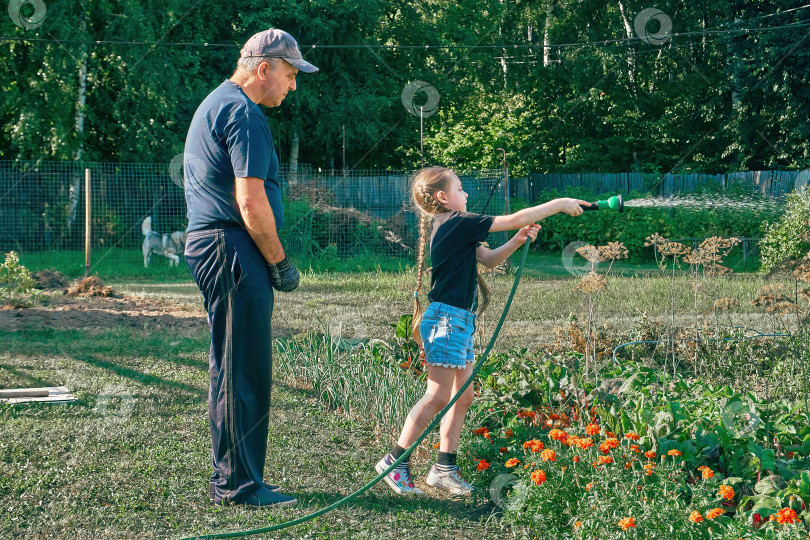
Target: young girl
{"x": 445, "y": 331}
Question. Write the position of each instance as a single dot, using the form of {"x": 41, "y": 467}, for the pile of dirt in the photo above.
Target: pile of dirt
{"x": 88, "y": 286}
{"x": 50, "y": 279}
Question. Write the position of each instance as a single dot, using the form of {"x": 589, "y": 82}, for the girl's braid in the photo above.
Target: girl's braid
{"x": 424, "y": 185}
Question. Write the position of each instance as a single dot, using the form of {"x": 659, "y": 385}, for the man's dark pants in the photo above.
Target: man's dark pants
{"x": 235, "y": 282}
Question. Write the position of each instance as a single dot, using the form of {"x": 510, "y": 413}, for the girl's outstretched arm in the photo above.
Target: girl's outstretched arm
{"x": 493, "y": 257}
{"x": 530, "y": 215}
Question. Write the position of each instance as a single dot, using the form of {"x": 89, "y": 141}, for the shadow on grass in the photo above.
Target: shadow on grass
{"x": 142, "y": 378}
{"x": 467, "y": 509}
{"x": 18, "y": 374}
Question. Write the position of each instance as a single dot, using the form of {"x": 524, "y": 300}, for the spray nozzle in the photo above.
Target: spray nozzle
{"x": 613, "y": 203}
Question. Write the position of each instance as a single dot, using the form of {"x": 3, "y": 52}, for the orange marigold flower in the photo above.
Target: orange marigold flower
{"x": 650, "y": 454}
{"x": 589, "y": 486}
{"x": 632, "y": 435}
{"x": 610, "y": 434}
{"x": 786, "y": 516}
{"x": 726, "y": 492}
{"x": 525, "y": 414}
{"x": 628, "y": 465}
{"x": 608, "y": 444}
{"x": 715, "y": 513}
{"x": 592, "y": 429}
{"x": 538, "y": 477}
{"x": 707, "y": 473}
{"x": 702, "y": 467}
{"x": 649, "y": 472}
{"x": 626, "y": 523}
{"x": 537, "y": 445}
{"x": 487, "y": 435}
{"x": 649, "y": 465}
{"x": 436, "y": 445}
{"x": 575, "y": 459}
{"x": 578, "y": 525}
{"x": 503, "y": 449}
{"x": 548, "y": 455}
{"x": 695, "y": 517}
{"x": 483, "y": 465}
{"x": 584, "y": 444}
{"x": 635, "y": 448}
{"x": 512, "y": 462}
{"x": 480, "y": 431}
{"x": 674, "y": 453}
{"x": 605, "y": 460}
{"x": 510, "y": 433}
{"x": 557, "y": 434}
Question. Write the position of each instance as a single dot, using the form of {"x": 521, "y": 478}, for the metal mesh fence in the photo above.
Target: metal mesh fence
{"x": 328, "y": 213}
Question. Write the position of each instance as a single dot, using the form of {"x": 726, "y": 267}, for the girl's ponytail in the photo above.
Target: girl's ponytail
{"x": 424, "y": 225}
{"x": 484, "y": 295}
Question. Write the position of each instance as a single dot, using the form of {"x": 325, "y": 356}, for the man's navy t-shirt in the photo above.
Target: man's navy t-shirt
{"x": 228, "y": 138}
{"x": 454, "y": 278}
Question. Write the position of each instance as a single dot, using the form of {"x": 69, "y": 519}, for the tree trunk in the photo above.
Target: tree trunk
{"x": 631, "y": 59}
{"x": 546, "y": 40}
{"x": 293, "y": 174}
{"x": 76, "y": 183}
{"x": 736, "y": 69}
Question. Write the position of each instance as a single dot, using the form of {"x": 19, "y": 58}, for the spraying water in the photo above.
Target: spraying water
{"x": 705, "y": 202}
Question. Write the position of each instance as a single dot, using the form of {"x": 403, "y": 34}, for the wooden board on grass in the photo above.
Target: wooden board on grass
{"x": 56, "y": 394}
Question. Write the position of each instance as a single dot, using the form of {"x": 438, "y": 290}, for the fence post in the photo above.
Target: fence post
{"x": 87, "y": 222}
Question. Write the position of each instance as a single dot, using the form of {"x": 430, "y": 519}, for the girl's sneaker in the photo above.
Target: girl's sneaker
{"x": 399, "y": 479}
{"x": 448, "y": 481}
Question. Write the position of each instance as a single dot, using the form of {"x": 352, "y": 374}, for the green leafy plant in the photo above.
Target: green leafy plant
{"x": 17, "y": 286}
{"x": 788, "y": 237}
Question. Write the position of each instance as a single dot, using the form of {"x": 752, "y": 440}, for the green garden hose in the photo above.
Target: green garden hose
{"x": 407, "y": 453}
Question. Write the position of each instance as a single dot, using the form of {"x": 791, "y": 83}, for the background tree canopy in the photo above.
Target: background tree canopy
{"x": 727, "y": 90}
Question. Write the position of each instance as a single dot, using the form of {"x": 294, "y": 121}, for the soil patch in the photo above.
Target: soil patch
{"x": 101, "y": 313}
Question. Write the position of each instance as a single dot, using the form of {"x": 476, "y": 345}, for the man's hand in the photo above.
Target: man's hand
{"x": 283, "y": 276}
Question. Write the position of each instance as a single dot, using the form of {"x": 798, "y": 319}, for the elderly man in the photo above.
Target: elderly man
{"x": 236, "y": 258}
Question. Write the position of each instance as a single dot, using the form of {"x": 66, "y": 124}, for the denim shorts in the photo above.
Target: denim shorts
{"x": 447, "y": 335}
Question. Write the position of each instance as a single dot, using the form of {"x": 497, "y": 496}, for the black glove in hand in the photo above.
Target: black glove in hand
{"x": 283, "y": 276}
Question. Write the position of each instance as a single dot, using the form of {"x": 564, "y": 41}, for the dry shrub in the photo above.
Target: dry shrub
{"x": 725, "y": 303}
{"x": 88, "y": 286}
{"x": 311, "y": 192}
{"x": 665, "y": 247}
{"x": 574, "y": 339}
{"x": 591, "y": 283}
{"x": 50, "y": 279}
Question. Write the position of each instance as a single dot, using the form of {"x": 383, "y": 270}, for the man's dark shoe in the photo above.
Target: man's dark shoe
{"x": 263, "y": 497}
{"x": 212, "y": 497}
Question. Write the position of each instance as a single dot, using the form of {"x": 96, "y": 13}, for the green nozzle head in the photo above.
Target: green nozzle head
{"x": 616, "y": 203}
{"x": 613, "y": 203}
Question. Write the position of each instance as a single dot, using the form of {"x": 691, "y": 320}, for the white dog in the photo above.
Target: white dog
{"x": 168, "y": 245}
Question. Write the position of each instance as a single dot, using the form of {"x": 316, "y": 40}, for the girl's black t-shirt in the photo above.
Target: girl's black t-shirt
{"x": 455, "y": 237}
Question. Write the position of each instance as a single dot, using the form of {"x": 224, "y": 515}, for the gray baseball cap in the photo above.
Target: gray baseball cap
{"x": 278, "y": 44}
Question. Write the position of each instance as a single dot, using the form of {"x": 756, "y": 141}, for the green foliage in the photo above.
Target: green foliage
{"x": 630, "y": 106}
{"x": 759, "y": 447}
{"x": 17, "y": 286}
{"x": 787, "y": 238}
{"x": 634, "y": 225}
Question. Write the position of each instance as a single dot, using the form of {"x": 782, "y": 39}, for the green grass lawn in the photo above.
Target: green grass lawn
{"x": 127, "y": 263}
{"x": 131, "y": 458}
